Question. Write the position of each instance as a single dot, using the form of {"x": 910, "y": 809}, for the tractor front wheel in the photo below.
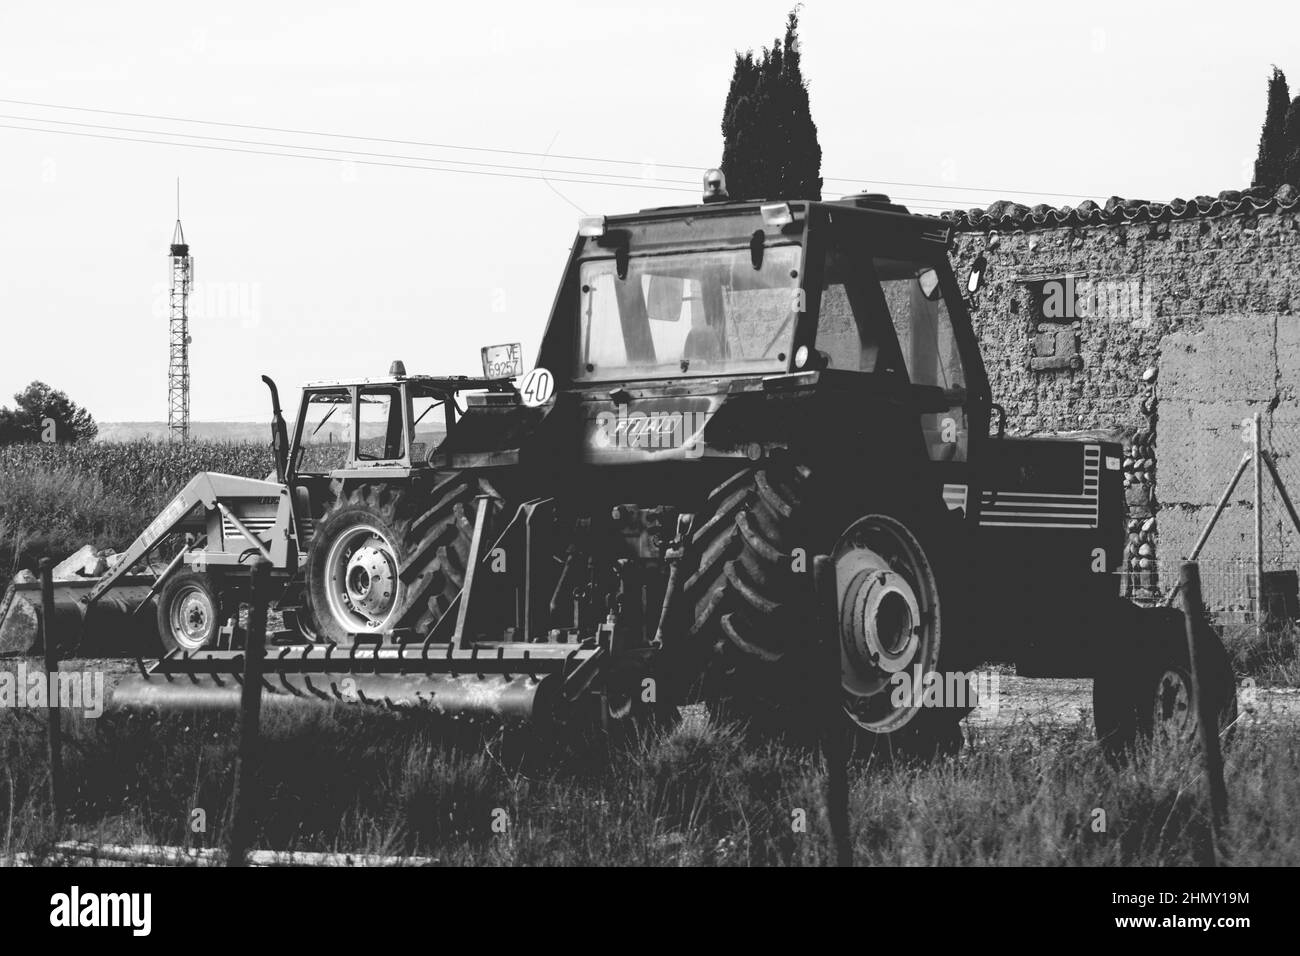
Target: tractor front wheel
{"x": 190, "y": 609}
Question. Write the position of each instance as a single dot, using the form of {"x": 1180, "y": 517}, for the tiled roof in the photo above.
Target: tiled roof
{"x": 1005, "y": 214}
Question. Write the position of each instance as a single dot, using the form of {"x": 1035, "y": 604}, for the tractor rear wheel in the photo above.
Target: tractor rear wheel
{"x": 1147, "y": 694}
{"x": 906, "y": 682}
{"x": 190, "y": 609}
{"x": 754, "y": 610}
{"x": 385, "y": 557}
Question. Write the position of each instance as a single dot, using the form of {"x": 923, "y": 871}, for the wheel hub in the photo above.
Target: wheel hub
{"x": 362, "y": 587}
{"x": 370, "y": 581}
{"x": 191, "y": 618}
{"x": 882, "y": 625}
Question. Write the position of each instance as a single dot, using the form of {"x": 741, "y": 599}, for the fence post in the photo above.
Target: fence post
{"x": 1259, "y": 527}
{"x": 50, "y": 645}
{"x": 245, "y": 792}
{"x": 835, "y": 743}
{"x": 1207, "y": 719}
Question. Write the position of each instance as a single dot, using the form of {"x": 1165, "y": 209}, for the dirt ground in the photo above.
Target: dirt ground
{"x": 1048, "y": 701}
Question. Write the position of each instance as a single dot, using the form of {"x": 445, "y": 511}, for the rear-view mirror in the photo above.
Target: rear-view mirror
{"x": 929, "y": 281}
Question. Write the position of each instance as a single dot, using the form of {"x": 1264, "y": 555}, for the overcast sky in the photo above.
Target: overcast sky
{"x": 311, "y": 269}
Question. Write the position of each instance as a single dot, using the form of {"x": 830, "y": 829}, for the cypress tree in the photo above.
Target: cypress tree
{"x": 1291, "y": 145}
{"x": 770, "y": 148}
{"x": 1271, "y": 164}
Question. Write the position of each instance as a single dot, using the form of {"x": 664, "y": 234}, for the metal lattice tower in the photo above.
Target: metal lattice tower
{"x": 178, "y": 364}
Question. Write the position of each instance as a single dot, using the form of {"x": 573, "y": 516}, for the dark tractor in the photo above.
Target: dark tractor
{"x": 723, "y": 392}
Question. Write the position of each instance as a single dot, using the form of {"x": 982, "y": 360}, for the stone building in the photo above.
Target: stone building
{"x": 1166, "y": 324}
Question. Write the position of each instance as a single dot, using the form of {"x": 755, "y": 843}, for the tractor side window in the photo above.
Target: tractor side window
{"x": 925, "y": 334}
{"x": 380, "y": 433}
{"x": 922, "y": 323}
{"x": 429, "y": 418}
{"x": 325, "y": 443}
{"x": 844, "y": 328}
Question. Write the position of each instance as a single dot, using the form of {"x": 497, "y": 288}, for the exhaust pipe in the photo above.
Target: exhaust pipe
{"x": 279, "y": 433}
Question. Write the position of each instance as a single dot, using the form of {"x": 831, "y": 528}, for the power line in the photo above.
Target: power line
{"x": 518, "y": 152}
{"x": 335, "y": 159}
{"x": 929, "y": 202}
{"x": 349, "y": 152}
{"x": 371, "y": 139}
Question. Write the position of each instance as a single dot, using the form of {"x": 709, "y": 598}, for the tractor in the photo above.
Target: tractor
{"x": 723, "y": 392}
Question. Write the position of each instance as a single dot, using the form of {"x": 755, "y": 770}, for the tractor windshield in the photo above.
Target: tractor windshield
{"x": 700, "y": 313}
{"x": 325, "y": 432}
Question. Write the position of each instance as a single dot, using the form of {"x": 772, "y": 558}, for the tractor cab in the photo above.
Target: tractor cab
{"x": 391, "y": 428}
{"x": 374, "y": 426}
{"x": 773, "y": 324}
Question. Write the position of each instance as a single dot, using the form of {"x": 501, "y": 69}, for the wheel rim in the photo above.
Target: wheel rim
{"x": 889, "y": 620}
{"x": 1174, "y": 716}
{"x": 191, "y": 616}
{"x": 361, "y": 582}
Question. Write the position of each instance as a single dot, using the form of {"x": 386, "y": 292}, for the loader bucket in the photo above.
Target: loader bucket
{"x": 520, "y": 683}
{"x": 110, "y": 627}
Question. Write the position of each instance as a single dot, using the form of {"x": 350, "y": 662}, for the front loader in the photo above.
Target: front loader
{"x": 722, "y": 392}
{"x": 126, "y": 610}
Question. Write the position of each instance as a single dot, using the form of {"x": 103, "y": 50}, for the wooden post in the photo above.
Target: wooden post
{"x": 1259, "y": 527}
{"x": 245, "y": 792}
{"x": 1207, "y": 719}
{"x": 50, "y": 645}
{"x": 835, "y": 742}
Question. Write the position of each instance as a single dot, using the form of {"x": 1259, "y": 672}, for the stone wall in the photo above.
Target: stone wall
{"x": 1166, "y": 324}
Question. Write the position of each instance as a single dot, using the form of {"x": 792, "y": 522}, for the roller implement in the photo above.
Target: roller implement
{"x": 723, "y": 392}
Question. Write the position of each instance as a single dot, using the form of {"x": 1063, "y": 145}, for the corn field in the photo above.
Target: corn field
{"x": 139, "y": 468}
{"x": 55, "y": 498}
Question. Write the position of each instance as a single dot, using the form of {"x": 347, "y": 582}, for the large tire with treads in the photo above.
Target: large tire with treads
{"x": 745, "y": 600}
{"x": 754, "y": 608}
{"x": 389, "y": 556}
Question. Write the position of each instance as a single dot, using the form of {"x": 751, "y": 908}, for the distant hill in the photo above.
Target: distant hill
{"x": 219, "y": 431}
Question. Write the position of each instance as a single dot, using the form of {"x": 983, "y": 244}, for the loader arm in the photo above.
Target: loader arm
{"x": 207, "y": 489}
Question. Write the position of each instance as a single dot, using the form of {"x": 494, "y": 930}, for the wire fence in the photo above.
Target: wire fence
{"x": 1237, "y": 554}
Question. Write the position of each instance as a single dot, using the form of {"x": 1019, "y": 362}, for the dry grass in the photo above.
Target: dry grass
{"x": 699, "y": 795}
{"x": 1270, "y": 655}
